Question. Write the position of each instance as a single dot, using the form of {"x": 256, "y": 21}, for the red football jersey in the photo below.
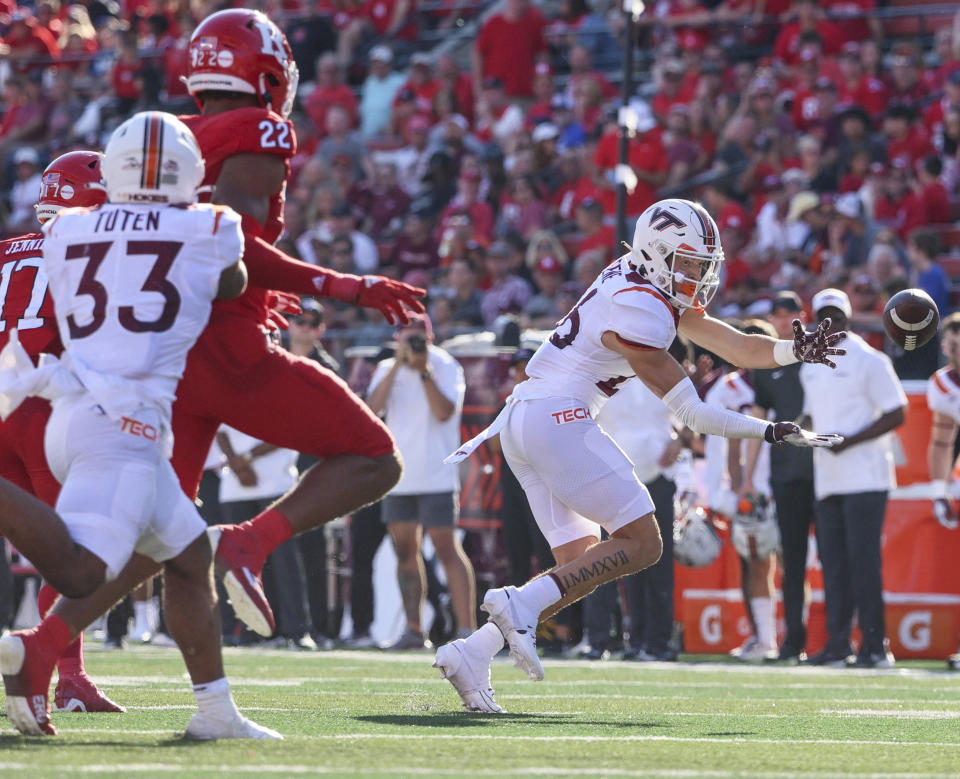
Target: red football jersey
{"x": 240, "y": 131}
{"x": 25, "y": 303}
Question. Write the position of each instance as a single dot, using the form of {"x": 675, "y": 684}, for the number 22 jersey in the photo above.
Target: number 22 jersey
{"x": 573, "y": 362}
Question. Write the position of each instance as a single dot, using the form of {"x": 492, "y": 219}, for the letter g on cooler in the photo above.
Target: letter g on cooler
{"x": 914, "y": 631}
{"x": 711, "y": 628}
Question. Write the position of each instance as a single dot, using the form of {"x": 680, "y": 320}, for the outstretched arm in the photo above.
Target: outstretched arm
{"x": 667, "y": 379}
{"x": 246, "y": 183}
{"x": 761, "y": 351}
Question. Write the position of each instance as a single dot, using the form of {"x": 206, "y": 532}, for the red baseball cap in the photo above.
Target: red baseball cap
{"x": 549, "y": 265}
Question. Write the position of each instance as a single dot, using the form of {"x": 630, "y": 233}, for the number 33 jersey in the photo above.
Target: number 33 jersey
{"x": 132, "y": 287}
{"x": 573, "y": 362}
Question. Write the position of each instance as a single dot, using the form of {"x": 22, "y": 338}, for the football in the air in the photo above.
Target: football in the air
{"x": 910, "y": 318}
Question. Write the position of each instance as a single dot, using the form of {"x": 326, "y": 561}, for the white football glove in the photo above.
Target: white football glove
{"x": 943, "y": 509}
{"x": 791, "y": 433}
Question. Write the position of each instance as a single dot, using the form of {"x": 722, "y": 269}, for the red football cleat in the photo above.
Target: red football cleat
{"x": 26, "y": 677}
{"x": 77, "y": 692}
{"x": 238, "y": 550}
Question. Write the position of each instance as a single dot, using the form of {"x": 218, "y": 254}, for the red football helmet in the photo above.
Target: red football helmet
{"x": 72, "y": 179}
{"x": 243, "y": 51}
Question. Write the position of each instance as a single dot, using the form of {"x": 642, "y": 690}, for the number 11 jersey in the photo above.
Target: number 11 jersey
{"x": 573, "y": 362}
{"x": 132, "y": 287}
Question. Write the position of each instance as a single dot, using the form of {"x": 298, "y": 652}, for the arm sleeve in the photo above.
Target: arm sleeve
{"x": 706, "y": 419}
{"x": 270, "y": 268}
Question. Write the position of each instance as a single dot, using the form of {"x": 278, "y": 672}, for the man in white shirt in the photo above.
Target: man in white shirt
{"x": 419, "y": 393}
{"x": 863, "y": 401}
{"x": 378, "y": 91}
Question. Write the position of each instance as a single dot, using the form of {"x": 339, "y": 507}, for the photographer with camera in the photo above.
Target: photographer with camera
{"x": 419, "y": 393}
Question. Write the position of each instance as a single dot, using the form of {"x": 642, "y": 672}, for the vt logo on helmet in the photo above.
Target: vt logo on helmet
{"x": 240, "y": 50}
{"x": 72, "y": 180}
{"x": 152, "y": 158}
{"x": 676, "y": 246}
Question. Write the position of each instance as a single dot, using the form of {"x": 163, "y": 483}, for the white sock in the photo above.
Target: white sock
{"x": 541, "y": 593}
{"x": 214, "y": 698}
{"x": 765, "y": 617}
{"x": 140, "y": 613}
{"x": 487, "y": 640}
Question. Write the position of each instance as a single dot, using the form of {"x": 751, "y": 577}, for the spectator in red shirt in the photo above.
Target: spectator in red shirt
{"x": 856, "y": 166}
{"x": 933, "y": 116}
{"x": 508, "y": 46}
{"x": 329, "y": 91}
{"x": 857, "y": 88}
{"x": 581, "y": 68}
{"x": 28, "y": 111}
{"x": 673, "y": 90}
{"x": 468, "y": 200}
{"x": 497, "y": 117}
{"x": 696, "y": 36}
{"x": 379, "y": 204}
{"x": 524, "y": 212}
{"x": 933, "y": 195}
{"x": 596, "y": 234}
{"x": 808, "y": 18}
{"x": 575, "y": 186}
{"x": 49, "y": 16}
{"x": 416, "y": 248}
{"x": 422, "y": 83}
{"x": 682, "y": 151}
{"x": 457, "y": 81}
{"x": 906, "y": 87}
{"x": 126, "y": 76}
{"x": 948, "y": 58}
{"x": 31, "y": 47}
{"x": 859, "y": 24}
{"x": 646, "y": 155}
{"x": 395, "y": 19}
{"x": 543, "y": 92}
{"x": 905, "y": 140}
{"x": 730, "y": 215}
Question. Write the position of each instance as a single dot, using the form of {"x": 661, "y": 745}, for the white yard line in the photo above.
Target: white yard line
{"x": 676, "y": 773}
{"x": 896, "y": 713}
{"x": 946, "y": 681}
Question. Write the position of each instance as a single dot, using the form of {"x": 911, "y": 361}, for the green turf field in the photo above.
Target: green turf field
{"x": 367, "y": 713}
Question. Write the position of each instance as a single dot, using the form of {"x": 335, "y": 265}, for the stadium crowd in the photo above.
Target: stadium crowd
{"x": 825, "y": 143}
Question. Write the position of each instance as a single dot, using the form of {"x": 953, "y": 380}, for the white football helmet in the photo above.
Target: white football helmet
{"x": 695, "y": 542}
{"x": 755, "y": 533}
{"x": 676, "y": 246}
{"x": 152, "y": 158}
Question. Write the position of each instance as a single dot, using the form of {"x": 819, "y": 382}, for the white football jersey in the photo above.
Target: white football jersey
{"x": 573, "y": 362}
{"x": 132, "y": 286}
{"x": 943, "y": 393}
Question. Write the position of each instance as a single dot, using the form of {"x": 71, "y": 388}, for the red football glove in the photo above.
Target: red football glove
{"x": 391, "y": 298}
{"x": 816, "y": 347}
{"x": 278, "y": 304}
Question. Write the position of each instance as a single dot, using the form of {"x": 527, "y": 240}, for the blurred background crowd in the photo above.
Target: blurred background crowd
{"x": 471, "y": 147}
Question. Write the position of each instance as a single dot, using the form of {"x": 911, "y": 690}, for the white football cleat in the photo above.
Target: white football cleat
{"x": 518, "y": 623}
{"x": 203, "y": 727}
{"x": 470, "y": 676}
